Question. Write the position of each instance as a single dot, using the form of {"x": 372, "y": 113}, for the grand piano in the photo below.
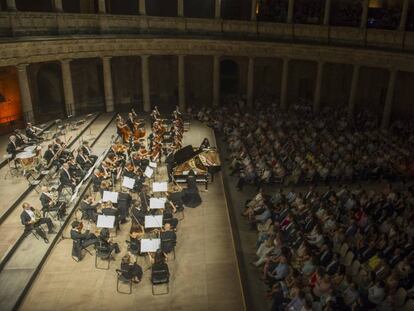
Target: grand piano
{"x": 204, "y": 162}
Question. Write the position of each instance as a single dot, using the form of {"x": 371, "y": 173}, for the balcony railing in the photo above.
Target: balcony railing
{"x": 23, "y": 24}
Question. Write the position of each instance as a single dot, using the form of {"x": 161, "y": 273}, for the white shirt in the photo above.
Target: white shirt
{"x": 31, "y": 214}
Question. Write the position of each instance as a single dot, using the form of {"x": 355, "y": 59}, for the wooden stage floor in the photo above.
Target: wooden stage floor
{"x": 204, "y": 275}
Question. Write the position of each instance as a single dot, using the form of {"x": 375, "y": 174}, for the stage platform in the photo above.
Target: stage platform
{"x": 204, "y": 275}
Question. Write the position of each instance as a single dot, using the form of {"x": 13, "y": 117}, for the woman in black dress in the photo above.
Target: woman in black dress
{"x": 191, "y": 197}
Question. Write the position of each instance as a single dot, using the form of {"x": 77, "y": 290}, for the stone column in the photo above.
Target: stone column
{"x": 217, "y": 9}
{"x": 353, "y": 92}
{"x": 145, "y": 82}
{"x": 141, "y": 7}
{"x": 216, "y": 80}
{"x": 250, "y": 82}
{"x": 291, "y": 6}
{"x": 58, "y": 5}
{"x": 327, "y": 12}
{"x": 181, "y": 82}
{"x": 318, "y": 88}
{"x": 389, "y": 100}
{"x": 404, "y": 12}
{"x": 101, "y": 7}
{"x": 11, "y": 5}
{"x": 180, "y": 8}
{"x": 364, "y": 16}
{"x": 109, "y": 97}
{"x": 68, "y": 87}
{"x": 284, "y": 84}
{"x": 253, "y": 12}
{"x": 25, "y": 96}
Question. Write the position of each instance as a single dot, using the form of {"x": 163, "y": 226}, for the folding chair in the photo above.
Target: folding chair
{"x": 170, "y": 244}
{"x": 104, "y": 254}
{"x": 159, "y": 277}
{"x": 33, "y": 181}
{"x": 13, "y": 171}
{"x": 77, "y": 249}
{"x": 121, "y": 278}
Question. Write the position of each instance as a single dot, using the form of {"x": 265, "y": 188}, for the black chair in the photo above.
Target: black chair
{"x": 122, "y": 278}
{"x": 160, "y": 275}
{"x": 104, "y": 253}
{"x": 77, "y": 249}
{"x": 168, "y": 246}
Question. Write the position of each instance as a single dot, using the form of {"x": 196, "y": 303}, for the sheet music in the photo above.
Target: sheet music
{"x": 160, "y": 186}
{"x": 150, "y": 245}
{"x": 148, "y": 172}
{"x": 128, "y": 182}
{"x": 157, "y": 203}
{"x": 153, "y": 164}
{"x": 105, "y": 221}
{"x": 110, "y": 196}
{"x": 153, "y": 221}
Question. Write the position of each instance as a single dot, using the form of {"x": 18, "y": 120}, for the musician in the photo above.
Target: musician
{"x": 97, "y": 179}
{"x": 155, "y": 115}
{"x": 138, "y": 213}
{"x": 31, "y": 220}
{"x": 105, "y": 186}
{"x": 190, "y": 195}
{"x": 31, "y": 132}
{"x": 50, "y": 204}
{"x": 86, "y": 238}
{"x": 21, "y": 140}
{"x": 169, "y": 160}
{"x": 83, "y": 160}
{"x": 49, "y": 155}
{"x": 12, "y": 147}
{"x": 131, "y": 270}
{"x": 135, "y": 234}
{"x": 109, "y": 210}
{"x": 106, "y": 243}
{"x": 89, "y": 208}
{"x": 88, "y": 151}
{"x": 124, "y": 204}
{"x": 134, "y": 173}
{"x": 168, "y": 238}
{"x": 205, "y": 144}
{"x": 66, "y": 178}
{"x": 59, "y": 146}
{"x": 130, "y": 121}
{"x": 75, "y": 170}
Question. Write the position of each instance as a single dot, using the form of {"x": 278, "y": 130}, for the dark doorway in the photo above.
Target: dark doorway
{"x": 34, "y": 6}
{"x": 50, "y": 97}
{"x": 125, "y": 7}
{"x": 229, "y": 77}
{"x": 161, "y": 7}
{"x": 199, "y": 8}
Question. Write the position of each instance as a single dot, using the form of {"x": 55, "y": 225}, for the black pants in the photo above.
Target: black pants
{"x": 45, "y": 220}
{"x": 91, "y": 239}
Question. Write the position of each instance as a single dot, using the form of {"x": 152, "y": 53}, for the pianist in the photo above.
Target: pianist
{"x": 190, "y": 196}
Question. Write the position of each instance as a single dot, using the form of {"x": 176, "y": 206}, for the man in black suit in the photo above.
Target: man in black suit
{"x": 88, "y": 152}
{"x": 84, "y": 239}
{"x": 83, "y": 160}
{"x": 30, "y": 222}
{"x": 66, "y": 179}
{"x": 31, "y": 132}
{"x": 89, "y": 208}
{"x": 124, "y": 204}
{"x": 138, "y": 213}
{"x": 12, "y": 147}
{"x": 110, "y": 210}
{"x": 168, "y": 238}
{"x": 49, "y": 204}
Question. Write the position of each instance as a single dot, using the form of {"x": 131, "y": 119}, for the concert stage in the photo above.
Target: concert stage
{"x": 204, "y": 275}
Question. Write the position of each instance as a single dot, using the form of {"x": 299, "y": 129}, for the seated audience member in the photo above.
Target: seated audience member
{"x": 131, "y": 270}
{"x": 32, "y": 220}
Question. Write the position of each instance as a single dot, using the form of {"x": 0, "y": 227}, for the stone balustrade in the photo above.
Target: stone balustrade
{"x": 19, "y": 24}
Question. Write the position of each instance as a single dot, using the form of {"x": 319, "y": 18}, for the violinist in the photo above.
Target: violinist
{"x": 134, "y": 172}
{"x": 97, "y": 179}
{"x": 89, "y": 208}
{"x": 123, "y": 130}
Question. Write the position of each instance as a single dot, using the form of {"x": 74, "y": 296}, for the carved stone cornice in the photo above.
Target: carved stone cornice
{"x": 13, "y": 53}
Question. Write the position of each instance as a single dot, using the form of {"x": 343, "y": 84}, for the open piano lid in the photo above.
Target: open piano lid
{"x": 185, "y": 154}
